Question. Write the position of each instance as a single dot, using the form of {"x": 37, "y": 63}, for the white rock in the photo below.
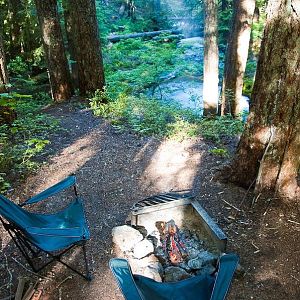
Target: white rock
{"x": 143, "y": 248}
{"x": 153, "y": 274}
{"x": 126, "y": 237}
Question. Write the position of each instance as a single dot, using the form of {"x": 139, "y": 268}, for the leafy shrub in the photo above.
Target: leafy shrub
{"x": 133, "y": 65}
{"x": 220, "y": 152}
{"x": 220, "y": 127}
{"x": 153, "y": 117}
{"x": 17, "y": 66}
{"x": 26, "y": 137}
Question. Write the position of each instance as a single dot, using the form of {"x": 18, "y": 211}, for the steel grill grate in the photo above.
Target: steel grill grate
{"x": 162, "y": 199}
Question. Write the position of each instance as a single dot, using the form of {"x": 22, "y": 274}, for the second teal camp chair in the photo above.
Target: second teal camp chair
{"x": 54, "y": 234}
{"x": 200, "y": 287}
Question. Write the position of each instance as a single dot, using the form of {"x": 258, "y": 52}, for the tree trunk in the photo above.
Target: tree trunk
{"x": 16, "y": 8}
{"x": 59, "y": 74}
{"x": 211, "y": 58}
{"x": 3, "y": 69}
{"x": 71, "y": 42}
{"x": 269, "y": 150}
{"x": 236, "y": 57}
{"x": 87, "y": 47}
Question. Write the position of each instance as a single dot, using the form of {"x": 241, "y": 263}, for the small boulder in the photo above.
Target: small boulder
{"x": 173, "y": 274}
{"x": 142, "y": 249}
{"x": 207, "y": 257}
{"x": 204, "y": 258}
{"x": 195, "y": 263}
{"x": 207, "y": 270}
{"x": 126, "y": 237}
{"x": 153, "y": 274}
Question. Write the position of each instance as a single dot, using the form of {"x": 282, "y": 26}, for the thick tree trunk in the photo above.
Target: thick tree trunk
{"x": 71, "y": 42}
{"x": 87, "y": 48}
{"x": 3, "y": 69}
{"x": 211, "y": 58}
{"x": 59, "y": 74}
{"x": 269, "y": 150}
{"x": 236, "y": 57}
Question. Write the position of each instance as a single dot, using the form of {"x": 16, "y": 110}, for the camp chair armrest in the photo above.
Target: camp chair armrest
{"x": 227, "y": 266}
{"x": 53, "y": 190}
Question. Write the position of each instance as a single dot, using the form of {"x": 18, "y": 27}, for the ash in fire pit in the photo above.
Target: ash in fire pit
{"x": 167, "y": 254}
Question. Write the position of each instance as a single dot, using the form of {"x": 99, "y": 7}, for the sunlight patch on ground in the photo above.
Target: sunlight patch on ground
{"x": 72, "y": 158}
{"x": 173, "y": 166}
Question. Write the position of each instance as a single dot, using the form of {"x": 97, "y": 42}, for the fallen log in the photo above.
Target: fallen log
{"x": 117, "y": 38}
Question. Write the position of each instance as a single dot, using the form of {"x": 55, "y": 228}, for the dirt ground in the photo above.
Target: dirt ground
{"x": 116, "y": 169}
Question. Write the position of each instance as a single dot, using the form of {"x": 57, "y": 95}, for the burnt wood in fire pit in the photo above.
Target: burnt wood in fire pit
{"x": 185, "y": 211}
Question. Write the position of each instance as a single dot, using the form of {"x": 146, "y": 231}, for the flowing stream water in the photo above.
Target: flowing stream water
{"x": 186, "y": 88}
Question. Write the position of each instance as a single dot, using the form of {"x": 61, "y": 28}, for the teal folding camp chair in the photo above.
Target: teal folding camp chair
{"x": 54, "y": 234}
{"x": 200, "y": 287}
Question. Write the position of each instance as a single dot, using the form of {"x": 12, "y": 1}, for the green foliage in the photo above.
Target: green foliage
{"x": 220, "y": 127}
{"x": 224, "y": 25}
{"x": 152, "y": 117}
{"x": 249, "y": 76}
{"x": 17, "y": 66}
{"x": 26, "y": 137}
{"x": 134, "y": 65}
{"x": 20, "y": 28}
{"x": 222, "y": 152}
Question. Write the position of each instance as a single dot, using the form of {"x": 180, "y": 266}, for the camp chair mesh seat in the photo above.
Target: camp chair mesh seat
{"x": 200, "y": 287}
{"x": 54, "y": 234}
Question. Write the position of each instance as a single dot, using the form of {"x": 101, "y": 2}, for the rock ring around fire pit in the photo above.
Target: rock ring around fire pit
{"x": 169, "y": 237}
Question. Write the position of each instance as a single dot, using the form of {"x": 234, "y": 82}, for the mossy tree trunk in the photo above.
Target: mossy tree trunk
{"x": 211, "y": 58}
{"x": 87, "y": 47}
{"x": 236, "y": 57}
{"x": 3, "y": 69}
{"x": 269, "y": 150}
{"x": 57, "y": 63}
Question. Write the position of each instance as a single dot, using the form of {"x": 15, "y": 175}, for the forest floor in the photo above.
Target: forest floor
{"x": 115, "y": 169}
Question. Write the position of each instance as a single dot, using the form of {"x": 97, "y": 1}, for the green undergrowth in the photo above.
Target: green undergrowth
{"x": 25, "y": 137}
{"x": 152, "y": 117}
{"x": 133, "y": 66}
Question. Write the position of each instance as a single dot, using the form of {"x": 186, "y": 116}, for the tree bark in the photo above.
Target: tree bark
{"x": 236, "y": 57}
{"x": 211, "y": 58}
{"x": 269, "y": 150}
{"x": 87, "y": 47}
{"x": 59, "y": 74}
{"x": 3, "y": 68}
{"x": 70, "y": 42}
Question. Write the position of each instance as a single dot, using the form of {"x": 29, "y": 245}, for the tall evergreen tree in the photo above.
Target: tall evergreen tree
{"x": 87, "y": 47}
{"x": 211, "y": 58}
{"x": 59, "y": 74}
{"x": 70, "y": 41}
{"x": 236, "y": 57}
{"x": 269, "y": 149}
{"x": 3, "y": 69}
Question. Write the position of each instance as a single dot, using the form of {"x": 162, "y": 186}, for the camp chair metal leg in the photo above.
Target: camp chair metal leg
{"x": 23, "y": 251}
{"x": 88, "y": 275}
{"x": 87, "y": 267}
{"x": 23, "y": 245}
